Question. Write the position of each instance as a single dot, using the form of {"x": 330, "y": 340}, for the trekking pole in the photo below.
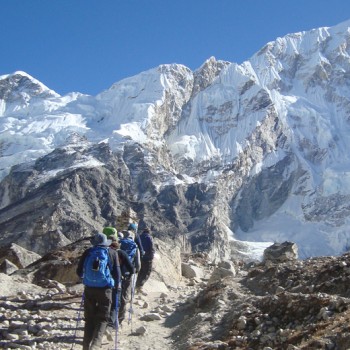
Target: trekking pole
{"x": 117, "y": 295}
{"x": 133, "y": 284}
{"x": 78, "y": 320}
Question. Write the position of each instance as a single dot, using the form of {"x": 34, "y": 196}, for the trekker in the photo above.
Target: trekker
{"x": 130, "y": 247}
{"x": 133, "y": 228}
{"x": 147, "y": 259}
{"x": 127, "y": 269}
{"x": 100, "y": 271}
{"x": 109, "y": 230}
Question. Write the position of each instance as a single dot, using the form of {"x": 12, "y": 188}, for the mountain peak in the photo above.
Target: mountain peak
{"x": 20, "y": 83}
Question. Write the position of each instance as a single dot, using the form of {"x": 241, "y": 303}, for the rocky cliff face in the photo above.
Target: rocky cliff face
{"x": 251, "y": 152}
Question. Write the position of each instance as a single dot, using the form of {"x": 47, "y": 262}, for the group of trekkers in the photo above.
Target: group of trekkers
{"x": 117, "y": 264}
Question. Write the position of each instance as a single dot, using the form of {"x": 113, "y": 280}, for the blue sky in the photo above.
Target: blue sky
{"x": 87, "y": 45}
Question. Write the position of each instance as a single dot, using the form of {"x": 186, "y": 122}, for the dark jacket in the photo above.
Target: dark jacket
{"x": 126, "y": 266}
{"x": 147, "y": 245}
{"x": 114, "y": 266}
{"x": 139, "y": 244}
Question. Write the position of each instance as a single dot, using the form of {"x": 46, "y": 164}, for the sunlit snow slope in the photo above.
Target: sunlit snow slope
{"x": 273, "y": 132}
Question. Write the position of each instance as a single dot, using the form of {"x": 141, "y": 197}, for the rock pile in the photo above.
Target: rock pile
{"x": 274, "y": 305}
{"x": 39, "y": 320}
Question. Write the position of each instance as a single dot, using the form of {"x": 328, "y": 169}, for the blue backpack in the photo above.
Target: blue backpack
{"x": 96, "y": 268}
{"x": 130, "y": 247}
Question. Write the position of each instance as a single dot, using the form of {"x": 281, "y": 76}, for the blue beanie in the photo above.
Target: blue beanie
{"x": 132, "y": 227}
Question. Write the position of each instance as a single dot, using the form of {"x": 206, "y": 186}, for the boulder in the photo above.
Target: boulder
{"x": 191, "y": 271}
{"x": 220, "y": 272}
{"x": 281, "y": 252}
{"x": 17, "y": 255}
{"x": 152, "y": 316}
{"x": 153, "y": 285}
{"x": 59, "y": 265}
{"x": 8, "y": 267}
{"x": 141, "y": 330}
{"x": 226, "y": 265}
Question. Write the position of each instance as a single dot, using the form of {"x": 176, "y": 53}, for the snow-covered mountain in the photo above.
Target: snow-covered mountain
{"x": 264, "y": 143}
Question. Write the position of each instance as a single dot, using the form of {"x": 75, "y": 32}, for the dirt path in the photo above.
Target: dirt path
{"x": 53, "y": 319}
{"x": 160, "y": 305}
{"x": 157, "y": 336}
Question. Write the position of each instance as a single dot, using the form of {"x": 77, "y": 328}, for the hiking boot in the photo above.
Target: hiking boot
{"x": 95, "y": 345}
{"x": 109, "y": 335}
{"x": 120, "y": 322}
{"x": 140, "y": 291}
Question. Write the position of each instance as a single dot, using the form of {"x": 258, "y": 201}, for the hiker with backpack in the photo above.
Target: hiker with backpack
{"x": 133, "y": 228}
{"x": 99, "y": 268}
{"x": 110, "y": 231}
{"x": 147, "y": 258}
{"x": 127, "y": 269}
{"x": 128, "y": 245}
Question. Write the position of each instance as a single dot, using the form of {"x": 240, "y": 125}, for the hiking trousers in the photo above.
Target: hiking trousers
{"x": 125, "y": 298}
{"x": 97, "y": 305}
{"x": 145, "y": 272}
{"x": 116, "y": 294}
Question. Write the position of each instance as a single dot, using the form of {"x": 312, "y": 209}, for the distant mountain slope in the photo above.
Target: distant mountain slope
{"x": 250, "y": 152}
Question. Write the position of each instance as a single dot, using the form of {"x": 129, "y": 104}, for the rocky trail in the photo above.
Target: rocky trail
{"x": 49, "y": 321}
{"x": 279, "y": 304}
{"x": 52, "y": 318}
{"x": 148, "y": 328}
